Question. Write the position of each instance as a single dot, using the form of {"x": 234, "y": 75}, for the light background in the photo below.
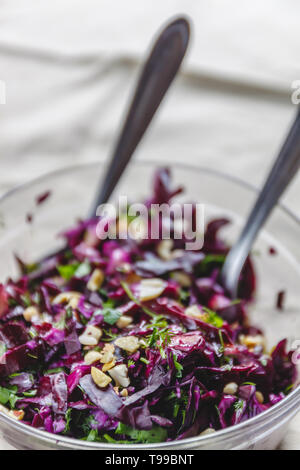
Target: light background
{"x": 70, "y": 66}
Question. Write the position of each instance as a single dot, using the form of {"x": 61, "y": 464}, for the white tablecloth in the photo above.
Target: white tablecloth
{"x": 70, "y": 66}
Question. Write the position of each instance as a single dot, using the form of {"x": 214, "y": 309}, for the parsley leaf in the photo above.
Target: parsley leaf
{"x": 83, "y": 269}
{"x": 156, "y": 434}
{"x": 110, "y": 336}
{"x": 111, "y": 315}
{"x": 92, "y": 436}
{"x": 68, "y": 420}
{"x": 30, "y": 393}
{"x": 4, "y": 395}
{"x": 213, "y": 318}
{"x": 26, "y": 300}
{"x": 238, "y": 405}
{"x": 178, "y": 366}
{"x": 54, "y": 371}
{"x": 8, "y": 395}
{"x": 67, "y": 271}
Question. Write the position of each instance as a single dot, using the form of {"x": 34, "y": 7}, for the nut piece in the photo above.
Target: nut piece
{"x": 120, "y": 375}
{"x": 128, "y": 343}
{"x": 16, "y": 414}
{"x": 90, "y": 336}
{"x": 231, "y": 388}
{"x": 91, "y": 357}
{"x": 31, "y": 313}
{"x": 151, "y": 288}
{"x": 124, "y": 392}
{"x": 164, "y": 249}
{"x": 252, "y": 341}
{"x": 108, "y": 365}
{"x": 100, "y": 379}
{"x": 259, "y": 397}
{"x": 207, "y": 431}
{"x": 182, "y": 278}
{"x": 194, "y": 311}
{"x": 96, "y": 280}
{"x": 124, "y": 321}
{"x": 70, "y": 297}
{"x": 107, "y": 354}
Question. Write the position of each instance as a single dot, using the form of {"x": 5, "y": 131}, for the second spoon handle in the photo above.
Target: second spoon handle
{"x": 284, "y": 169}
{"x": 156, "y": 77}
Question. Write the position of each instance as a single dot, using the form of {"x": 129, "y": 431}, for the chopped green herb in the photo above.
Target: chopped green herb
{"x": 4, "y": 395}
{"x": 103, "y": 294}
{"x": 32, "y": 356}
{"x": 143, "y": 359}
{"x": 26, "y": 300}
{"x": 111, "y": 315}
{"x": 67, "y": 271}
{"x": 32, "y": 332}
{"x": 8, "y": 395}
{"x": 30, "y": 393}
{"x": 221, "y": 341}
{"x": 158, "y": 322}
{"x": 13, "y": 399}
{"x": 68, "y": 418}
{"x": 84, "y": 269}
{"x": 92, "y": 436}
{"x": 238, "y": 405}
{"x": 176, "y": 409}
{"x": 218, "y": 412}
{"x": 111, "y": 336}
{"x": 156, "y": 434}
{"x": 288, "y": 389}
{"x": 178, "y": 366}
{"x": 109, "y": 303}
{"x": 184, "y": 295}
{"x": 212, "y": 318}
{"x": 54, "y": 371}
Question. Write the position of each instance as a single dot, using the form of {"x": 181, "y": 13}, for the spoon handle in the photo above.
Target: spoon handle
{"x": 282, "y": 172}
{"x": 156, "y": 77}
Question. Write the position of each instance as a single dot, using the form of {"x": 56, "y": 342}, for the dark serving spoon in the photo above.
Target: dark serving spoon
{"x": 157, "y": 75}
{"x": 281, "y": 174}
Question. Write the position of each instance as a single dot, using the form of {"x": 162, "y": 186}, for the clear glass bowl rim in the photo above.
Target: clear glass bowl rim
{"x": 290, "y": 403}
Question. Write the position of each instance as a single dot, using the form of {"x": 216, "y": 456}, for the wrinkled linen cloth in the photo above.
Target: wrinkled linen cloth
{"x": 69, "y": 69}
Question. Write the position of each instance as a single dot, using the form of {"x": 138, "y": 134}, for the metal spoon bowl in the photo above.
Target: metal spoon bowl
{"x": 156, "y": 77}
{"x": 280, "y": 176}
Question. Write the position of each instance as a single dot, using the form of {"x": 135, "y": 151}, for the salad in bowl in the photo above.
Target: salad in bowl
{"x": 130, "y": 341}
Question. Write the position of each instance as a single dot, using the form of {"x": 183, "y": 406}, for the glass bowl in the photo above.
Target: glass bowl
{"x": 72, "y": 191}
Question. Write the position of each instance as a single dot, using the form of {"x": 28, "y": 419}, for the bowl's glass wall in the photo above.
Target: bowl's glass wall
{"x": 72, "y": 192}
